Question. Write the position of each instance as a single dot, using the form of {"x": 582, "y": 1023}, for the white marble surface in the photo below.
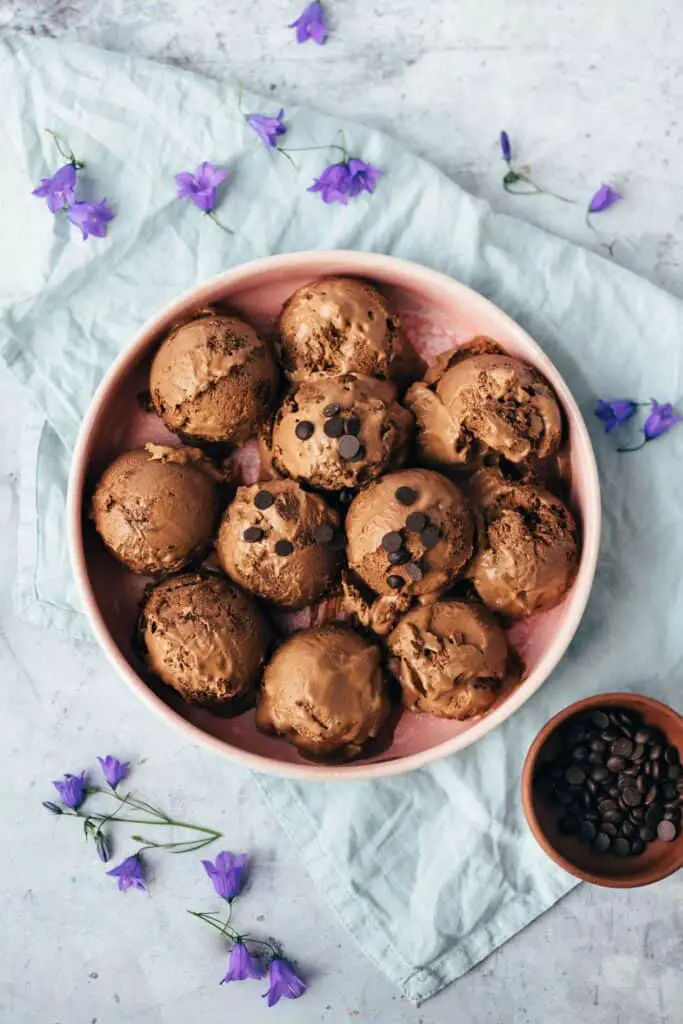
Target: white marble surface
{"x": 588, "y": 90}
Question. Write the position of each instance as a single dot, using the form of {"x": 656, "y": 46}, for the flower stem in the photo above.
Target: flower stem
{"x": 221, "y": 926}
{"x": 635, "y": 449}
{"x": 64, "y": 150}
{"x": 224, "y": 227}
{"x": 607, "y": 245}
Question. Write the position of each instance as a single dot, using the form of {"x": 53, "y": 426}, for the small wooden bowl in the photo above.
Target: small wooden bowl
{"x": 659, "y": 859}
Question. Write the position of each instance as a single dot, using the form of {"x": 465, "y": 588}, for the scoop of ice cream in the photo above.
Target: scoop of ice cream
{"x": 337, "y": 325}
{"x": 206, "y": 638}
{"x": 410, "y": 531}
{"x": 280, "y": 542}
{"x": 335, "y": 432}
{"x": 213, "y": 379}
{"x": 155, "y": 508}
{"x": 485, "y": 403}
{"x": 450, "y": 658}
{"x": 528, "y": 548}
{"x": 324, "y": 691}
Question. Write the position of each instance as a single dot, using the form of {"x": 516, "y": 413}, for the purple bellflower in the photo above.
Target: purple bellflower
{"x": 311, "y": 25}
{"x": 59, "y": 191}
{"x": 226, "y": 874}
{"x": 605, "y": 197}
{"x": 342, "y": 181}
{"x": 284, "y": 982}
{"x": 661, "y": 419}
{"x": 129, "y": 873}
{"x": 113, "y": 770}
{"x": 71, "y": 790}
{"x": 362, "y": 177}
{"x": 242, "y": 965}
{"x": 200, "y": 187}
{"x": 267, "y": 128}
{"x": 615, "y": 412}
{"x": 505, "y": 147}
{"x": 91, "y": 218}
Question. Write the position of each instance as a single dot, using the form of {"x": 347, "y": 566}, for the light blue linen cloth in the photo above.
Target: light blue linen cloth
{"x": 434, "y": 870}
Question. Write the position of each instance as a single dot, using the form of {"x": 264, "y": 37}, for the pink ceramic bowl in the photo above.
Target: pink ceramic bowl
{"x": 438, "y": 313}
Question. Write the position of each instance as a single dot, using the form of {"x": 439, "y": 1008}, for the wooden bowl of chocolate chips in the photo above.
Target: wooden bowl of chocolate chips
{"x": 602, "y": 789}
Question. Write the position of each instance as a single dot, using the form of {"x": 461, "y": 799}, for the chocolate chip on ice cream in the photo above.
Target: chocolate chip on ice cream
{"x": 289, "y": 562}
{"x": 325, "y": 692}
{"x": 155, "y": 508}
{"x": 337, "y": 325}
{"x": 377, "y": 527}
{"x": 337, "y": 432}
{"x": 213, "y": 379}
{"x": 206, "y": 638}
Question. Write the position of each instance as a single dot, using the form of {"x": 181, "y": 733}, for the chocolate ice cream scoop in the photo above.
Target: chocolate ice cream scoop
{"x": 280, "y": 542}
{"x": 335, "y": 432}
{"x": 324, "y": 691}
{"x": 155, "y": 508}
{"x": 450, "y": 658}
{"x": 213, "y": 379}
{"x": 528, "y": 549}
{"x": 485, "y": 403}
{"x": 410, "y": 531}
{"x": 337, "y": 325}
{"x": 206, "y": 638}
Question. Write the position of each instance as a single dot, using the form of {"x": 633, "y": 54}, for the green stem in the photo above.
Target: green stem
{"x": 607, "y": 245}
{"x": 217, "y": 924}
{"x": 636, "y": 449}
{"x": 101, "y": 818}
{"x": 223, "y": 227}
{"x": 64, "y": 150}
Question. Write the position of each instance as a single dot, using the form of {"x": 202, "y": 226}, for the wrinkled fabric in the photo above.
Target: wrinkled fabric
{"x": 434, "y": 870}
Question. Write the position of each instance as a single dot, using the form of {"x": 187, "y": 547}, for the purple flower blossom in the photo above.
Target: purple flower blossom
{"x": 505, "y": 147}
{"x": 615, "y": 412}
{"x": 71, "y": 790}
{"x": 661, "y": 419}
{"x": 113, "y": 770}
{"x": 226, "y": 873}
{"x": 60, "y": 190}
{"x": 91, "y": 218}
{"x": 363, "y": 177}
{"x": 603, "y": 199}
{"x": 267, "y": 128}
{"x": 333, "y": 184}
{"x": 129, "y": 873}
{"x": 284, "y": 983}
{"x": 311, "y": 25}
{"x": 201, "y": 186}
{"x": 102, "y": 847}
{"x": 243, "y": 965}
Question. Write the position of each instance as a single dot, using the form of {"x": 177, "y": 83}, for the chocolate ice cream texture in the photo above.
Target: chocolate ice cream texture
{"x": 336, "y": 432}
{"x": 280, "y": 542}
{"x": 487, "y": 402}
{"x": 337, "y": 325}
{"x": 410, "y": 531}
{"x": 214, "y": 380}
{"x": 450, "y": 657}
{"x": 206, "y": 638}
{"x": 156, "y": 508}
{"x": 528, "y": 547}
{"x": 325, "y": 692}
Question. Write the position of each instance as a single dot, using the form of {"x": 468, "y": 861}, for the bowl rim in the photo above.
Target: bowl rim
{"x": 357, "y": 264}
{"x": 614, "y": 697}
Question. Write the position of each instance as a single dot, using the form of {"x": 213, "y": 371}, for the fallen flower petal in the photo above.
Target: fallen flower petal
{"x": 59, "y": 191}
{"x": 284, "y": 982}
{"x": 267, "y": 128}
{"x": 615, "y": 412}
{"x": 333, "y": 184}
{"x": 362, "y": 177}
{"x": 661, "y": 419}
{"x": 311, "y": 25}
{"x": 605, "y": 197}
{"x": 129, "y": 873}
{"x": 91, "y": 218}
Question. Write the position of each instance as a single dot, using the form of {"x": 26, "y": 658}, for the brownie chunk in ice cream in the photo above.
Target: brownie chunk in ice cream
{"x": 410, "y": 531}
{"x": 280, "y": 542}
{"x": 213, "y": 379}
{"x": 336, "y": 432}
{"x": 155, "y": 508}
{"x": 206, "y": 638}
{"x": 450, "y": 658}
{"x": 528, "y": 548}
{"x": 484, "y": 403}
{"x": 324, "y": 691}
{"x": 337, "y": 325}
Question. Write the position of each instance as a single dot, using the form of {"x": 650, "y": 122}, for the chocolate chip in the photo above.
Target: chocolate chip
{"x": 580, "y": 753}
{"x": 416, "y": 521}
{"x": 654, "y": 814}
{"x": 642, "y": 736}
{"x": 346, "y": 495}
{"x": 671, "y": 755}
{"x": 304, "y": 430}
{"x": 323, "y": 533}
{"x": 637, "y": 847}
{"x": 628, "y": 829}
{"x": 651, "y": 795}
{"x": 657, "y": 770}
{"x": 399, "y": 557}
{"x": 655, "y": 752}
{"x": 574, "y": 775}
{"x": 646, "y": 833}
{"x": 430, "y": 536}
{"x": 414, "y": 571}
{"x": 263, "y": 500}
{"x": 631, "y": 797}
{"x": 601, "y": 843}
{"x": 616, "y": 816}
{"x": 334, "y": 427}
{"x": 638, "y": 752}
{"x": 395, "y": 582}
{"x": 615, "y": 764}
{"x": 283, "y": 548}
{"x": 392, "y": 541}
{"x": 599, "y": 774}
{"x": 352, "y": 425}
{"x": 609, "y": 828}
{"x": 253, "y": 533}
{"x": 673, "y": 772}
{"x": 599, "y": 746}
{"x": 622, "y": 748}
{"x": 621, "y": 847}
{"x": 575, "y": 733}
{"x": 607, "y": 805}
{"x": 599, "y": 718}
{"x": 349, "y": 446}
{"x": 331, "y": 410}
{"x": 666, "y": 831}
{"x": 587, "y": 831}
{"x": 406, "y": 495}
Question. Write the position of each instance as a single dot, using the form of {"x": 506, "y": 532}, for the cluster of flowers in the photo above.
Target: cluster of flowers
{"x": 59, "y": 192}
{"x": 617, "y": 411}
{"x": 249, "y": 957}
